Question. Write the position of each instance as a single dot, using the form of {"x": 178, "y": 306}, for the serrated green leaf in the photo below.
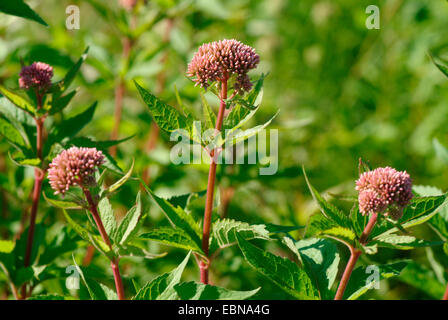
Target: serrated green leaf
{"x": 127, "y": 227}
{"x": 321, "y": 260}
{"x": 283, "y": 272}
{"x": 20, "y": 9}
{"x": 402, "y": 242}
{"x": 166, "y": 117}
{"x": 71, "y": 126}
{"x": 276, "y": 228}
{"x": 420, "y": 210}
{"x": 63, "y": 204}
{"x": 199, "y": 291}
{"x": 136, "y": 251}
{"x": 62, "y": 85}
{"x": 360, "y": 282}
{"x": 59, "y": 103}
{"x": 162, "y": 287}
{"x": 328, "y": 210}
{"x": 17, "y": 100}
{"x": 107, "y": 216}
{"x": 174, "y": 237}
{"x": 12, "y": 135}
{"x": 235, "y": 137}
{"x": 322, "y": 227}
{"x": 226, "y": 230}
{"x": 87, "y": 236}
{"x": 177, "y": 216}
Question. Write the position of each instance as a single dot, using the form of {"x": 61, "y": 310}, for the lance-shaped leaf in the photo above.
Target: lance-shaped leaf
{"x": 128, "y": 226}
{"x": 320, "y": 226}
{"x": 438, "y": 222}
{"x": 235, "y": 137}
{"x": 122, "y": 181}
{"x": 286, "y": 274}
{"x": 162, "y": 287}
{"x": 225, "y": 231}
{"x": 17, "y": 100}
{"x": 107, "y": 216}
{"x": 240, "y": 114}
{"x": 59, "y": 87}
{"x": 328, "y": 210}
{"x": 402, "y": 242}
{"x": 199, "y": 291}
{"x": 71, "y": 126}
{"x": 62, "y": 102}
{"x": 420, "y": 210}
{"x": 166, "y": 117}
{"x": 177, "y": 216}
{"x": 174, "y": 237}
{"x": 365, "y": 278}
{"x": 131, "y": 250}
{"x": 62, "y": 204}
{"x": 89, "y": 237}
{"x": 441, "y": 64}
{"x": 12, "y": 135}
{"x": 320, "y": 259}
{"x": 20, "y": 9}
{"x": 97, "y": 291}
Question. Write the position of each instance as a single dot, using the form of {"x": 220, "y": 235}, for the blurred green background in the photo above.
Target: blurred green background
{"x": 343, "y": 91}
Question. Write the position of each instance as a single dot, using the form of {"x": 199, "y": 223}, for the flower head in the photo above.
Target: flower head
{"x": 73, "y": 166}
{"x": 384, "y": 189}
{"x": 221, "y": 59}
{"x": 38, "y": 75}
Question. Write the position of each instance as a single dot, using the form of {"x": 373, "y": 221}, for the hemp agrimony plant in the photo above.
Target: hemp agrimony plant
{"x": 221, "y": 67}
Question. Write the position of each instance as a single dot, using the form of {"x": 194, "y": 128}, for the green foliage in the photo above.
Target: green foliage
{"x": 199, "y": 291}
{"x": 162, "y": 287}
{"x": 286, "y": 274}
{"x": 320, "y": 259}
{"x": 21, "y": 9}
{"x": 166, "y": 117}
{"x": 361, "y": 280}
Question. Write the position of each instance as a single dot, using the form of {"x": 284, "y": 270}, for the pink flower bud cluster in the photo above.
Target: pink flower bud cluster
{"x": 38, "y": 75}
{"x": 219, "y": 60}
{"x": 383, "y": 189}
{"x": 73, "y": 166}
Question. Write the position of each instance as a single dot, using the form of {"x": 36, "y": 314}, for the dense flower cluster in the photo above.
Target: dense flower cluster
{"x": 384, "y": 188}
{"x": 38, "y": 75}
{"x": 220, "y": 59}
{"x": 73, "y": 166}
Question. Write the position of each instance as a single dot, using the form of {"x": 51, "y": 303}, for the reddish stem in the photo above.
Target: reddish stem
{"x": 204, "y": 267}
{"x": 38, "y": 180}
{"x": 355, "y": 253}
{"x": 114, "y": 263}
{"x": 445, "y": 296}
